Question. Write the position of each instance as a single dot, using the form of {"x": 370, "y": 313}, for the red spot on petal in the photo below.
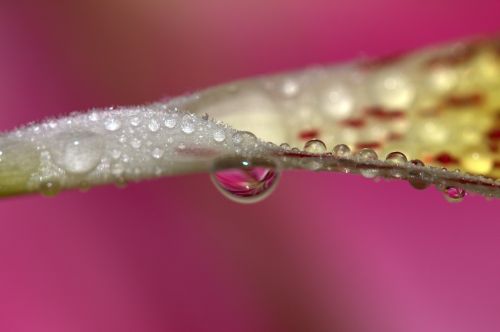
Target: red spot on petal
{"x": 494, "y": 135}
{"x": 308, "y": 134}
{"x": 368, "y": 145}
{"x": 395, "y": 136}
{"x": 475, "y": 99}
{"x": 445, "y": 159}
{"x": 353, "y": 123}
{"x": 383, "y": 114}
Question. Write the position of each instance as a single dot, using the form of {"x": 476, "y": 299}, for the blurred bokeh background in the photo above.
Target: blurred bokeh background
{"x": 324, "y": 253}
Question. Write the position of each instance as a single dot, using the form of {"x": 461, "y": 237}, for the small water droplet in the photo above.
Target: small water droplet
{"x": 112, "y": 124}
{"x": 188, "y": 123}
{"x": 94, "y": 116}
{"x": 285, "y": 146}
{"x": 367, "y": 154}
{"x": 135, "y": 121}
{"x": 50, "y": 188}
{"x": 245, "y": 180}
{"x": 243, "y": 138}
{"x": 396, "y": 158}
{"x": 170, "y": 122}
{"x": 157, "y": 153}
{"x": 153, "y": 125}
{"x": 315, "y": 146}
{"x": 136, "y": 143}
{"x": 341, "y": 150}
{"x": 78, "y": 152}
{"x": 454, "y": 194}
{"x": 219, "y": 135}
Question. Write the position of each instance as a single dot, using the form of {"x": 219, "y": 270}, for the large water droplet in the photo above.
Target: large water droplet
{"x": 188, "y": 123}
{"x": 367, "y": 154}
{"x": 153, "y": 125}
{"x": 244, "y": 138}
{"x": 245, "y": 180}
{"x": 219, "y": 135}
{"x": 415, "y": 179}
{"x": 78, "y": 152}
{"x": 341, "y": 150}
{"x": 315, "y": 146}
{"x": 454, "y": 194}
{"x": 170, "y": 122}
{"x": 397, "y": 158}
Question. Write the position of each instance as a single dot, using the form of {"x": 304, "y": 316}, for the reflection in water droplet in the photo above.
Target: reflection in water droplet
{"x": 341, "y": 150}
{"x": 245, "y": 180}
{"x": 78, "y": 152}
{"x": 315, "y": 146}
{"x": 454, "y": 194}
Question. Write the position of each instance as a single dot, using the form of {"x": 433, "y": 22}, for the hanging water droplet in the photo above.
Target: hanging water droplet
{"x": 243, "y": 138}
{"x": 416, "y": 180}
{"x": 315, "y": 146}
{"x": 188, "y": 123}
{"x": 397, "y": 158}
{"x": 49, "y": 187}
{"x": 367, "y": 154}
{"x": 219, "y": 135}
{"x": 454, "y": 194}
{"x": 153, "y": 125}
{"x": 170, "y": 122}
{"x": 245, "y": 180}
{"x": 112, "y": 124}
{"x": 341, "y": 150}
{"x": 78, "y": 152}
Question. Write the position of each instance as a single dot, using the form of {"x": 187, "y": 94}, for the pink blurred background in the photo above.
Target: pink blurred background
{"x": 324, "y": 253}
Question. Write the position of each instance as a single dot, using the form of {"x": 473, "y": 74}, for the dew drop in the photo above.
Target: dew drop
{"x": 136, "y": 143}
{"x": 397, "y": 158}
{"x": 245, "y": 180}
{"x": 78, "y": 152}
{"x": 367, "y": 154}
{"x": 341, "y": 150}
{"x": 188, "y": 123}
{"x": 315, "y": 146}
{"x": 285, "y": 146}
{"x": 454, "y": 194}
{"x": 153, "y": 125}
{"x": 170, "y": 122}
{"x": 416, "y": 180}
{"x": 50, "y": 188}
{"x": 94, "y": 116}
{"x": 219, "y": 135}
{"x": 243, "y": 138}
{"x": 135, "y": 121}
{"x": 157, "y": 153}
{"x": 112, "y": 124}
